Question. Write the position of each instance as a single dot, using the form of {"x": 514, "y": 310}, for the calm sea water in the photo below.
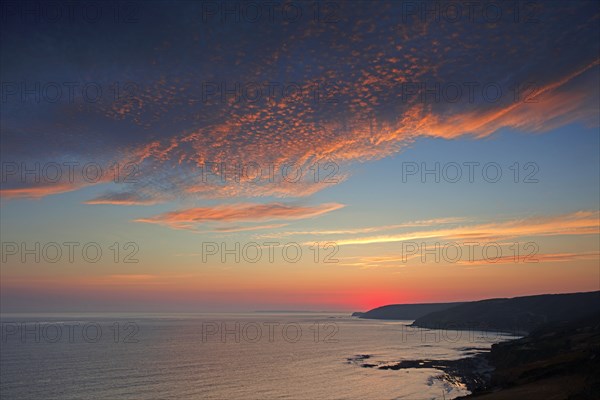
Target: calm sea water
{"x": 224, "y": 356}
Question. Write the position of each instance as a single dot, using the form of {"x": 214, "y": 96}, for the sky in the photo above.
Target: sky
{"x": 231, "y": 156}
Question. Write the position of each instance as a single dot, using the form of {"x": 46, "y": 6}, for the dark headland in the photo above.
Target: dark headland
{"x": 559, "y": 358}
{"x": 404, "y": 311}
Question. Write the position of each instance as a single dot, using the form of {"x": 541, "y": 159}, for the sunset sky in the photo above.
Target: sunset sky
{"x": 335, "y": 97}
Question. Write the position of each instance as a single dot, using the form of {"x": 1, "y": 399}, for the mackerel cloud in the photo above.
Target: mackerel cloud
{"x": 206, "y": 108}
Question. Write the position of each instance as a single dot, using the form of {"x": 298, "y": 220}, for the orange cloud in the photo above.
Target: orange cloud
{"x": 578, "y": 223}
{"x": 535, "y": 258}
{"x": 38, "y": 192}
{"x": 125, "y": 199}
{"x": 299, "y": 137}
{"x": 540, "y": 109}
{"x": 399, "y": 261}
{"x": 231, "y": 229}
{"x": 360, "y": 111}
{"x": 430, "y": 222}
{"x": 242, "y": 212}
{"x": 311, "y": 139}
{"x": 368, "y": 262}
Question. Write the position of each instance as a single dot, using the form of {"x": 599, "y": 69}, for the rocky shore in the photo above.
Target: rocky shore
{"x": 558, "y": 361}
{"x": 473, "y": 372}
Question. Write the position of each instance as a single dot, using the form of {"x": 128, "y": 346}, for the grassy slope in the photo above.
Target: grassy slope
{"x": 557, "y": 361}
{"x": 519, "y": 314}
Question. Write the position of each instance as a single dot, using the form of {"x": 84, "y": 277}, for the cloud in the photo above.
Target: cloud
{"x": 369, "y": 229}
{"x": 37, "y": 191}
{"x": 231, "y": 229}
{"x": 124, "y": 198}
{"x": 351, "y": 101}
{"x": 370, "y": 262}
{"x": 399, "y": 261}
{"x": 534, "y": 258}
{"x": 538, "y": 109}
{"x": 578, "y": 223}
{"x": 191, "y": 218}
{"x": 252, "y": 140}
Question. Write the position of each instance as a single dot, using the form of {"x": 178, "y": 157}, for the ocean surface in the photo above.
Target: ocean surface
{"x": 225, "y": 356}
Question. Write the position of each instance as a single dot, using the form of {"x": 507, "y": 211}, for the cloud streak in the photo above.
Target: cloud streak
{"x": 578, "y": 223}
{"x": 191, "y": 218}
{"x": 369, "y": 229}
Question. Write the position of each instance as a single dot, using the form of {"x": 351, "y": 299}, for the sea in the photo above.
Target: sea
{"x": 261, "y": 355}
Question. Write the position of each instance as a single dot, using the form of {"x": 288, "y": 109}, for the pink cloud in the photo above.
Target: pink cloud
{"x": 242, "y": 212}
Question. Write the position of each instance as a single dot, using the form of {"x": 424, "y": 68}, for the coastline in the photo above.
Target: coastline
{"x": 555, "y": 361}
{"x": 473, "y": 372}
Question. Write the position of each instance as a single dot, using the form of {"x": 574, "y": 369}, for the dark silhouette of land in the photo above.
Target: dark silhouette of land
{"x": 515, "y": 315}
{"x": 558, "y": 359}
{"x": 404, "y": 311}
